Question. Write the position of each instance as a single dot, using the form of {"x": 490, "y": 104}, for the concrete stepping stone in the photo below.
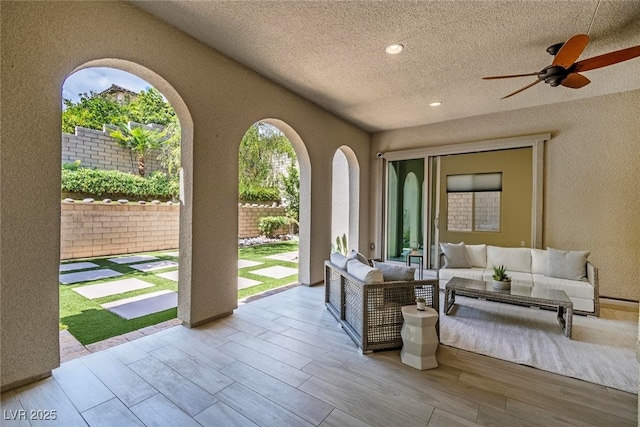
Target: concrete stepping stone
{"x": 77, "y": 266}
{"x": 246, "y": 283}
{"x": 151, "y": 266}
{"x": 85, "y": 276}
{"x": 171, "y": 275}
{"x": 174, "y": 254}
{"x": 130, "y": 308}
{"x": 244, "y": 263}
{"x": 285, "y": 256}
{"x": 111, "y": 288}
{"x": 276, "y": 272}
{"x": 132, "y": 259}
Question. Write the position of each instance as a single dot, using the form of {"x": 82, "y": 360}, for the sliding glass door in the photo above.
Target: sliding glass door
{"x": 405, "y": 201}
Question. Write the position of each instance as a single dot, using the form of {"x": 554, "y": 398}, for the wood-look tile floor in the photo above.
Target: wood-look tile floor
{"x": 284, "y": 361}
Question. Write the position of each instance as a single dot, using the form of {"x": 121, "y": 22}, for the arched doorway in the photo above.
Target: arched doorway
{"x": 345, "y": 196}
{"x": 185, "y": 172}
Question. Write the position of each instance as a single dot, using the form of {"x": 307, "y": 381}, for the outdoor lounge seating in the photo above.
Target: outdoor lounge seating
{"x": 369, "y": 308}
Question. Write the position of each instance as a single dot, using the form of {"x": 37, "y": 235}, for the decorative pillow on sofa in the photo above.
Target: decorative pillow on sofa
{"x": 338, "y": 260}
{"x": 455, "y": 255}
{"x": 571, "y": 265}
{"x": 538, "y": 261}
{"x": 395, "y": 272}
{"x": 364, "y": 272}
{"x": 357, "y": 255}
{"x": 477, "y": 255}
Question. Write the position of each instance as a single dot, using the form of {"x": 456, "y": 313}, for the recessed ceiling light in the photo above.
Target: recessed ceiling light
{"x": 394, "y": 49}
{"x": 435, "y": 104}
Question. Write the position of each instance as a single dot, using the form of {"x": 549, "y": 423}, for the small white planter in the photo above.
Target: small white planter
{"x": 502, "y": 285}
{"x": 421, "y": 305}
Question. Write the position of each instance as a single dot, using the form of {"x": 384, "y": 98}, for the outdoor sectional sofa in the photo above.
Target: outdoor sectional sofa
{"x": 369, "y": 308}
{"x": 551, "y": 269}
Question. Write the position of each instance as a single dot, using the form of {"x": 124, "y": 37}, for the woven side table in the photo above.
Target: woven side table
{"x": 419, "y": 337}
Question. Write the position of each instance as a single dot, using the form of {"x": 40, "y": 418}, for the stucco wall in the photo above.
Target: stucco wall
{"x": 216, "y": 101}
{"x": 591, "y": 176}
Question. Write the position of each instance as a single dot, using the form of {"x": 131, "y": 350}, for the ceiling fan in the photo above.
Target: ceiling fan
{"x": 564, "y": 70}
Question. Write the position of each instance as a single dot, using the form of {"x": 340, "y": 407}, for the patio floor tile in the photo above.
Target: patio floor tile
{"x": 77, "y": 266}
{"x": 132, "y": 259}
{"x": 276, "y": 272}
{"x": 111, "y": 288}
{"x": 85, "y": 276}
{"x": 157, "y": 265}
{"x": 244, "y": 263}
{"x": 130, "y": 308}
{"x": 246, "y": 283}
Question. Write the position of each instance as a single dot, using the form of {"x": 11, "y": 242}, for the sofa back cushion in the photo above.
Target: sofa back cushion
{"x": 338, "y": 260}
{"x": 514, "y": 259}
{"x": 455, "y": 255}
{"x": 570, "y": 265}
{"x": 395, "y": 272}
{"x": 364, "y": 272}
{"x": 538, "y": 261}
{"x": 477, "y": 255}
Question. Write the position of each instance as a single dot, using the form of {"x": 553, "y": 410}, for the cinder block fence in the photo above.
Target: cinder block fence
{"x": 96, "y": 229}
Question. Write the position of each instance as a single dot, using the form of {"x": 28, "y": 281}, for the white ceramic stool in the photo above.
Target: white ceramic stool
{"x": 419, "y": 337}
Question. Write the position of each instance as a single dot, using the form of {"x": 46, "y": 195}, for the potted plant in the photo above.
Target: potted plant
{"x": 500, "y": 279}
{"x": 420, "y": 302}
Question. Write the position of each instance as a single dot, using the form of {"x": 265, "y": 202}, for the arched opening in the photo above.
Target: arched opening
{"x": 159, "y": 230}
{"x": 345, "y": 196}
{"x": 410, "y": 223}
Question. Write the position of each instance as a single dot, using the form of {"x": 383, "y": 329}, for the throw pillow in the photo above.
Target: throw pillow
{"x": 455, "y": 255}
{"x": 395, "y": 272}
{"x": 538, "y": 261}
{"x": 357, "y": 255}
{"x": 571, "y": 265}
{"x": 338, "y": 260}
{"x": 364, "y": 272}
{"x": 477, "y": 255}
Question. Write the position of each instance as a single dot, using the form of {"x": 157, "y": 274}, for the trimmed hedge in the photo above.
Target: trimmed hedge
{"x": 270, "y": 224}
{"x": 260, "y": 194}
{"x": 99, "y": 182}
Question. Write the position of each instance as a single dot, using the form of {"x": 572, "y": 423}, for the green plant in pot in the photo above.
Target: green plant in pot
{"x": 500, "y": 278}
{"x": 420, "y": 303}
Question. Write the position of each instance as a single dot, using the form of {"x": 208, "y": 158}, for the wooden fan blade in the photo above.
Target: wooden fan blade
{"x": 571, "y": 50}
{"x": 520, "y": 90}
{"x": 607, "y": 59}
{"x": 575, "y": 81}
{"x": 510, "y": 76}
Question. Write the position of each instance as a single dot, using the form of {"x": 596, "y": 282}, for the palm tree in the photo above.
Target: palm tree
{"x": 140, "y": 140}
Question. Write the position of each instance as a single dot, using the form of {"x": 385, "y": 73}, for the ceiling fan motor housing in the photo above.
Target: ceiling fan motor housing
{"x": 553, "y": 75}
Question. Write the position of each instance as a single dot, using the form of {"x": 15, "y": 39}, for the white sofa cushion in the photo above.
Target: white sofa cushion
{"x": 477, "y": 255}
{"x": 570, "y": 265}
{"x": 516, "y": 276}
{"x": 364, "y": 272}
{"x": 573, "y": 288}
{"x": 338, "y": 260}
{"x": 455, "y": 255}
{"x": 514, "y": 259}
{"x": 538, "y": 261}
{"x": 467, "y": 273}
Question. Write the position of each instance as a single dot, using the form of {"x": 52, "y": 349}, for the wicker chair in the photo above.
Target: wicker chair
{"x": 371, "y": 312}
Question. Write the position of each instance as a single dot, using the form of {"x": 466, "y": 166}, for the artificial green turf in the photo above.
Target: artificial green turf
{"x": 89, "y": 322}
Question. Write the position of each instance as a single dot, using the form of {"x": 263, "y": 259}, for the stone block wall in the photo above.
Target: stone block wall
{"x": 89, "y": 230}
{"x": 96, "y": 229}
{"x": 96, "y": 149}
{"x": 463, "y": 210}
{"x": 249, "y": 218}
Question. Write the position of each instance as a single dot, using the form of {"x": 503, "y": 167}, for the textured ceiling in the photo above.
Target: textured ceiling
{"x": 332, "y": 52}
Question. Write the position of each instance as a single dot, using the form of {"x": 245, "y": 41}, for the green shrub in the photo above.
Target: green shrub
{"x": 259, "y": 194}
{"x": 99, "y": 182}
{"x": 268, "y": 225}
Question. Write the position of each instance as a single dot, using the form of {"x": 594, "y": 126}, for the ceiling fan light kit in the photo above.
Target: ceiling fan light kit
{"x": 564, "y": 70}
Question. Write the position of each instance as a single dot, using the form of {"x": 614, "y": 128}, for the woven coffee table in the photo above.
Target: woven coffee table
{"x": 521, "y": 292}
